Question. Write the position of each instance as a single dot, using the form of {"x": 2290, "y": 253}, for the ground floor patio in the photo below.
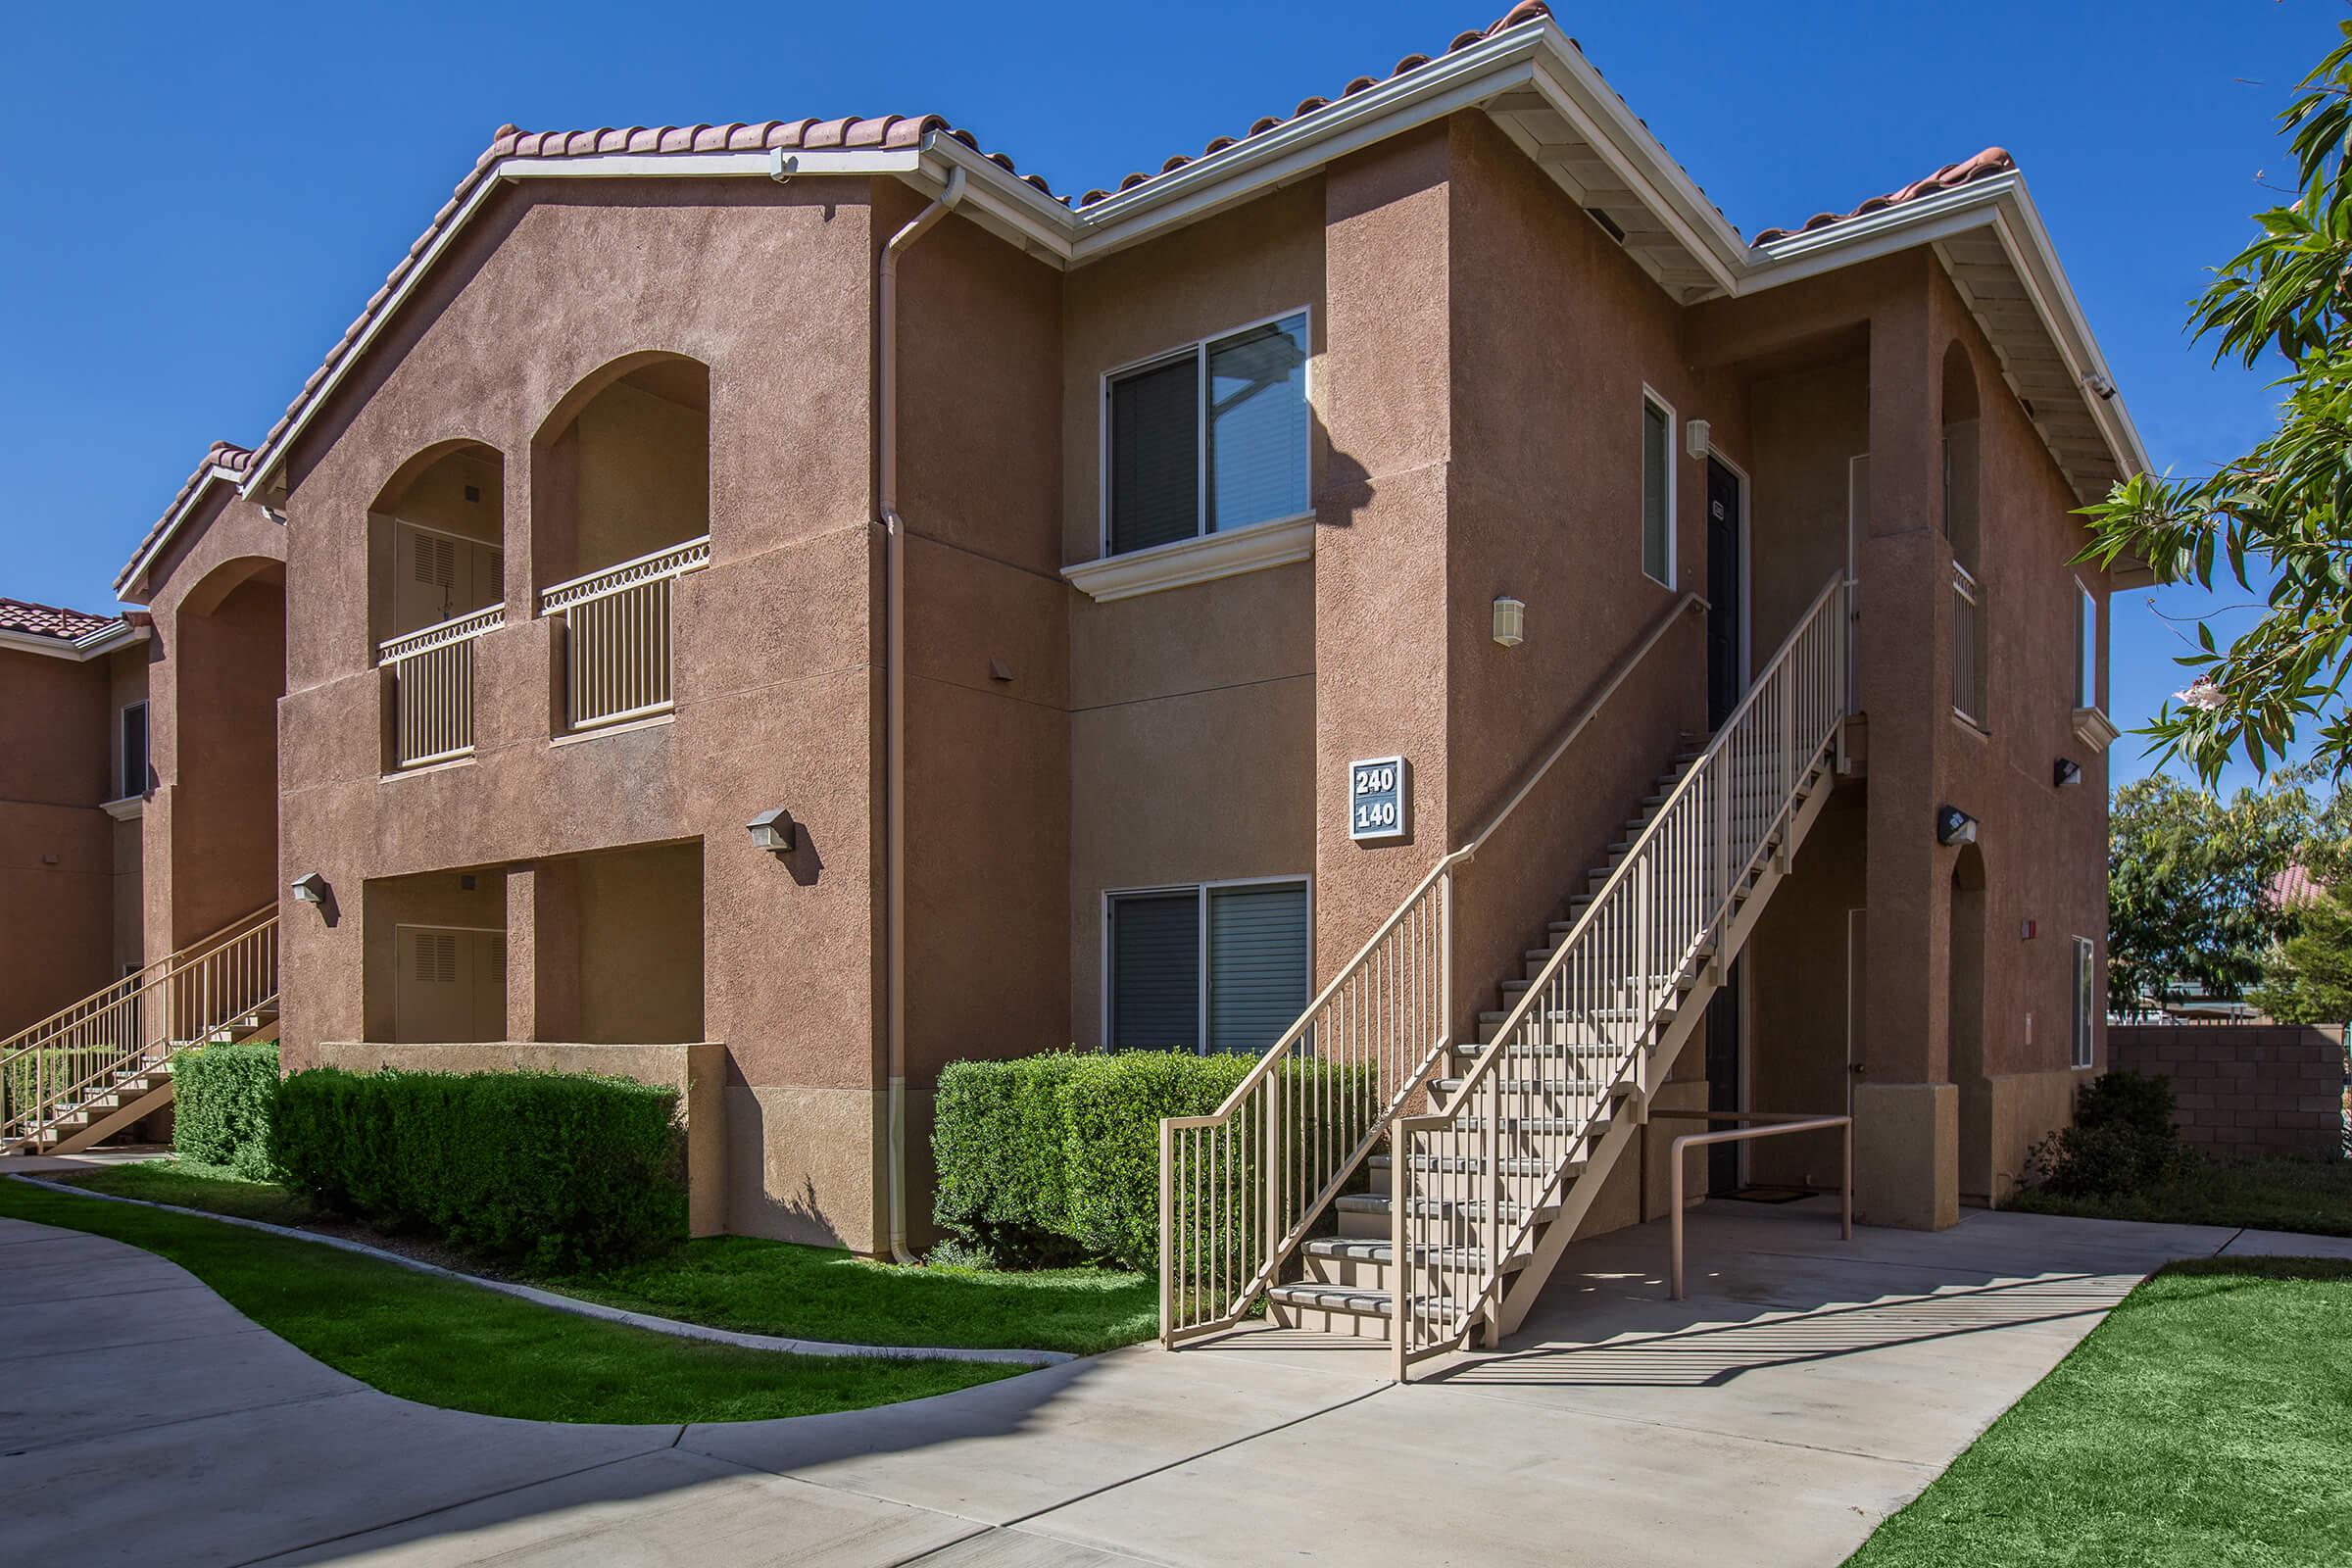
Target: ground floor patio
{"x": 1805, "y": 1389}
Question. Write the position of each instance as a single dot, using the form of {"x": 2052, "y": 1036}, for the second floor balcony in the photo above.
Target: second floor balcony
{"x": 613, "y": 643}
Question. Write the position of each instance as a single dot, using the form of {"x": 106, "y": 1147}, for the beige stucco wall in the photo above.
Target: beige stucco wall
{"x": 774, "y": 642}
{"x": 216, "y": 668}
{"x": 59, "y": 857}
{"x": 1192, "y": 711}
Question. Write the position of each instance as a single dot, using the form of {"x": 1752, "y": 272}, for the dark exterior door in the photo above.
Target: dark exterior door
{"x": 1727, "y": 646}
{"x": 1726, "y": 636}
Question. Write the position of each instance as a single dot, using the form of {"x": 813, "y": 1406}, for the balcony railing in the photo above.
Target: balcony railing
{"x": 1968, "y": 645}
{"x": 617, "y": 635}
{"x": 433, "y": 687}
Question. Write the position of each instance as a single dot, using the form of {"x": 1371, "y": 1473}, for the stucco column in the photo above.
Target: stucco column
{"x": 1906, "y": 1111}
{"x": 1384, "y": 391}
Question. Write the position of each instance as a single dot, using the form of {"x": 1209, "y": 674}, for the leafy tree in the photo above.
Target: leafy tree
{"x": 2281, "y": 515}
{"x": 2308, "y": 977}
{"x": 2187, "y": 884}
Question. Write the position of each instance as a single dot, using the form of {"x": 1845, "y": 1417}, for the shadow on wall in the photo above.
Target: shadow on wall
{"x": 751, "y": 1210}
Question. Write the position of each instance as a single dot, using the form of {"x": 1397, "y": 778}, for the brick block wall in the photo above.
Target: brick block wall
{"x": 2244, "y": 1089}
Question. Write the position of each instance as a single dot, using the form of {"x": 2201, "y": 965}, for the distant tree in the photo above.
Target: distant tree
{"x": 2189, "y": 879}
{"x": 2308, "y": 977}
{"x": 2281, "y": 515}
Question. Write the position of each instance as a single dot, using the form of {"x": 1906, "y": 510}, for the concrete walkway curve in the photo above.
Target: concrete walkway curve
{"x": 1805, "y": 1389}
{"x": 556, "y": 1300}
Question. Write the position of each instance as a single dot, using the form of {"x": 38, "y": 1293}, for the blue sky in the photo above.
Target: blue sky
{"x": 202, "y": 197}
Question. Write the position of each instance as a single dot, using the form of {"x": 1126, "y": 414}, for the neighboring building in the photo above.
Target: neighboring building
{"x": 74, "y": 758}
{"x": 1047, "y": 566}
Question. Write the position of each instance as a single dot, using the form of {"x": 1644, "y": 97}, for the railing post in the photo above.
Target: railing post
{"x": 1446, "y": 954}
{"x": 1491, "y": 1245}
{"x": 1273, "y": 1174}
{"x": 1400, "y": 1159}
{"x": 1167, "y": 1235}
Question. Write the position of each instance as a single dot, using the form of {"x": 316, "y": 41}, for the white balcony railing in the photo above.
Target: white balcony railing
{"x": 433, "y": 687}
{"x": 1968, "y": 645}
{"x": 617, "y": 635}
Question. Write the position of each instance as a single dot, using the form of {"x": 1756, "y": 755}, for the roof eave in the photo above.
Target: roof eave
{"x": 89, "y": 646}
{"x": 2001, "y": 204}
{"x": 128, "y": 578}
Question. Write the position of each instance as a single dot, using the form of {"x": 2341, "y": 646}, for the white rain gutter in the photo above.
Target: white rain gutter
{"x": 894, "y": 754}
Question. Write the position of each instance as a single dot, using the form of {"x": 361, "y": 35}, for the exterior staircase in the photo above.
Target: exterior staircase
{"x": 1453, "y": 1172}
{"x": 97, "y": 1067}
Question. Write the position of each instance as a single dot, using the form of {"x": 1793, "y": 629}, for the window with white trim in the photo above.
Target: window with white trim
{"x": 2086, "y": 647}
{"x": 1657, "y": 489}
{"x": 1208, "y": 439}
{"x": 2086, "y": 1000}
{"x": 1215, "y": 966}
{"x": 130, "y": 751}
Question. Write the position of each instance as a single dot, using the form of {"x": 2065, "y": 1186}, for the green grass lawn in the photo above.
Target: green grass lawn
{"x": 2207, "y": 1421}
{"x": 2312, "y": 1196}
{"x": 761, "y": 1286}
{"x": 441, "y": 1342}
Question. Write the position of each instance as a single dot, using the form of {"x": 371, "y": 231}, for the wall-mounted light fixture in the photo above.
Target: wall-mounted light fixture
{"x": 1510, "y": 622}
{"x": 310, "y": 888}
{"x": 1698, "y": 437}
{"x": 2066, "y": 774}
{"x": 1954, "y": 826}
{"x": 772, "y": 831}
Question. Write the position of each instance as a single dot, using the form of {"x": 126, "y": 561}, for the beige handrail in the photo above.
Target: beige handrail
{"x": 52, "y": 1070}
{"x": 1502, "y": 1151}
{"x": 1240, "y": 1186}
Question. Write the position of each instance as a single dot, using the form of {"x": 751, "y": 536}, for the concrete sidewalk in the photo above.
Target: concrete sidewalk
{"x": 1805, "y": 1389}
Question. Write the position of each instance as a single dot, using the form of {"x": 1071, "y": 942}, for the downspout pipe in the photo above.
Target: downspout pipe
{"x": 894, "y": 743}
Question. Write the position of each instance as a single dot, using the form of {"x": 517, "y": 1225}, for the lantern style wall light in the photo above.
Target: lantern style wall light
{"x": 1510, "y": 622}
{"x": 772, "y": 831}
{"x": 1954, "y": 826}
{"x": 310, "y": 888}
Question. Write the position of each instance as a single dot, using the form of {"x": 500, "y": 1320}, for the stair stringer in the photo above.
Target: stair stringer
{"x": 1519, "y": 1296}
{"x": 113, "y": 1121}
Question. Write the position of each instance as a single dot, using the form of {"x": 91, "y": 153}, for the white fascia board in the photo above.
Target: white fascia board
{"x": 146, "y": 557}
{"x": 2001, "y": 205}
{"x": 1447, "y": 84}
{"x": 991, "y": 191}
{"x": 79, "y": 650}
{"x": 1578, "y": 94}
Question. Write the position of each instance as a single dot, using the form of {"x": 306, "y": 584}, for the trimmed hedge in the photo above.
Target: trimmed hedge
{"x": 1004, "y": 1175}
{"x": 1053, "y": 1157}
{"x": 222, "y": 1099}
{"x": 564, "y": 1170}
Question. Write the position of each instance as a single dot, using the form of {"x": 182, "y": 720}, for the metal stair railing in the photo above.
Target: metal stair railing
{"x": 1471, "y": 1184}
{"x": 1240, "y": 1188}
{"x": 135, "y": 1026}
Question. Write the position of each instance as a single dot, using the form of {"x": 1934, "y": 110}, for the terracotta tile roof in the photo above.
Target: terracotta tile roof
{"x": 48, "y": 620}
{"x": 224, "y": 454}
{"x": 1991, "y": 161}
{"x": 2294, "y": 887}
{"x": 878, "y": 131}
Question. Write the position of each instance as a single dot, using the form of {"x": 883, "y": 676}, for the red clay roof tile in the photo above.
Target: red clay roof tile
{"x": 48, "y": 620}
{"x": 1983, "y": 166}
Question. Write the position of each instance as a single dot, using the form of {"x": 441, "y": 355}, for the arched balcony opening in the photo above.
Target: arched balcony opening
{"x": 436, "y": 583}
{"x": 620, "y": 511}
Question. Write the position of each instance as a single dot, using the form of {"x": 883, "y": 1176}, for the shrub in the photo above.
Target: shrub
{"x": 223, "y": 1099}
{"x": 1112, "y": 1109}
{"x": 2123, "y": 1140}
{"x": 562, "y": 1170}
{"x": 999, "y": 1142}
{"x": 1047, "y": 1158}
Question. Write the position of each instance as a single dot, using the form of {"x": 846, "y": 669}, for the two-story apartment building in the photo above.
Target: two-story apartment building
{"x": 787, "y": 605}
